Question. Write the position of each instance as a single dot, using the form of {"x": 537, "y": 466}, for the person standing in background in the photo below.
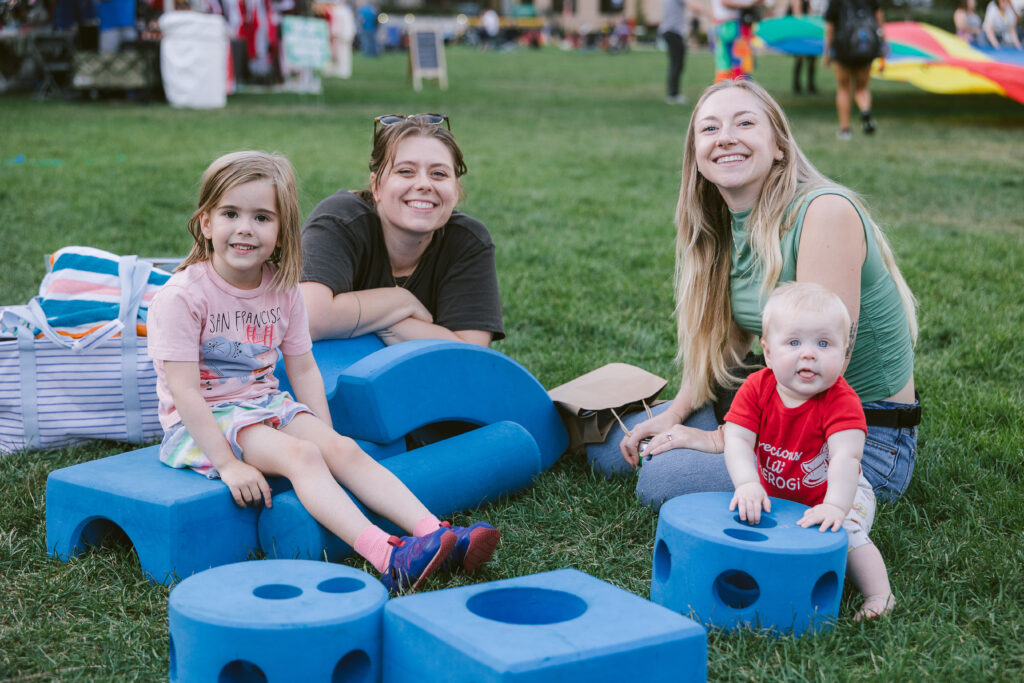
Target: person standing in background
{"x": 491, "y": 24}
{"x": 343, "y": 32}
{"x": 734, "y": 53}
{"x": 674, "y": 30}
{"x": 853, "y": 71}
{"x": 803, "y": 8}
{"x": 366, "y": 17}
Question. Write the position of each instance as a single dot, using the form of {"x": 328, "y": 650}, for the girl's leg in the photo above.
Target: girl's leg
{"x": 370, "y": 482}
{"x": 381, "y": 491}
{"x": 866, "y": 569}
{"x": 279, "y": 453}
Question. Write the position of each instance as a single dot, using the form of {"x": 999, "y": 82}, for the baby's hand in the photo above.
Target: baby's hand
{"x": 828, "y": 515}
{"x": 749, "y": 499}
{"x": 247, "y": 484}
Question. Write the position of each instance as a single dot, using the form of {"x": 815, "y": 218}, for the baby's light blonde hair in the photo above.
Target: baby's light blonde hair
{"x": 806, "y": 297}
{"x": 237, "y": 168}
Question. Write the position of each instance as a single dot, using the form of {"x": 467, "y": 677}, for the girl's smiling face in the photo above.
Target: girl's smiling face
{"x": 735, "y": 145}
{"x": 418, "y": 191}
{"x": 243, "y": 230}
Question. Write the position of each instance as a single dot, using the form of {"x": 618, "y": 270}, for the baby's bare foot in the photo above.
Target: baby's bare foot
{"x": 875, "y": 606}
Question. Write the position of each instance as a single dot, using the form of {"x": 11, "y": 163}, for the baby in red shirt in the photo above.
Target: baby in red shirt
{"x": 796, "y": 431}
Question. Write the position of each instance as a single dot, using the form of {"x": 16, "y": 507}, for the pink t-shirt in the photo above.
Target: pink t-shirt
{"x": 234, "y": 334}
{"x": 792, "y": 443}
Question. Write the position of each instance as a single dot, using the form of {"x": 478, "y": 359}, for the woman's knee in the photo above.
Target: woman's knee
{"x": 678, "y": 472}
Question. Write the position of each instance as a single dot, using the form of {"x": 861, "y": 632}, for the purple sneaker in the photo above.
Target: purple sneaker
{"x": 415, "y": 558}
{"x": 476, "y": 544}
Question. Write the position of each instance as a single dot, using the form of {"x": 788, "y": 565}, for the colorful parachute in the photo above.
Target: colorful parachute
{"x": 922, "y": 55}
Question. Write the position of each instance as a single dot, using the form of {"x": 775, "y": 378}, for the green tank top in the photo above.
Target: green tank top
{"x": 883, "y": 354}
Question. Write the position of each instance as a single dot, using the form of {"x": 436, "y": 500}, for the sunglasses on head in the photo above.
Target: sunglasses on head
{"x": 390, "y": 119}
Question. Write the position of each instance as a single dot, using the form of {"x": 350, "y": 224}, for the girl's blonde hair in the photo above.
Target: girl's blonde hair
{"x": 707, "y": 335}
{"x": 238, "y": 168}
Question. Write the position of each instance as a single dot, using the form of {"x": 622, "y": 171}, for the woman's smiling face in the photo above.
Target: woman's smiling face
{"x": 735, "y": 145}
{"x": 418, "y": 191}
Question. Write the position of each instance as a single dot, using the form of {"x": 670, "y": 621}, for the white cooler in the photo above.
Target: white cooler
{"x": 194, "y": 59}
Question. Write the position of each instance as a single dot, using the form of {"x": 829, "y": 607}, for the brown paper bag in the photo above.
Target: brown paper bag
{"x": 586, "y": 404}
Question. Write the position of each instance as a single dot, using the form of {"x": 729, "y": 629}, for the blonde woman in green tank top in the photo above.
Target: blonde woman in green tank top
{"x": 754, "y": 212}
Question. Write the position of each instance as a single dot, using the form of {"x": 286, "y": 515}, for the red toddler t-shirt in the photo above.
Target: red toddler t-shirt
{"x": 792, "y": 443}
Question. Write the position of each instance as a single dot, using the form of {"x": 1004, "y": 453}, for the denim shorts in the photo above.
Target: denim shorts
{"x": 889, "y": 454}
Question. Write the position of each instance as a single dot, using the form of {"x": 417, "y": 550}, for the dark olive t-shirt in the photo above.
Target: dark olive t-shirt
{"x": 456, "y": 278}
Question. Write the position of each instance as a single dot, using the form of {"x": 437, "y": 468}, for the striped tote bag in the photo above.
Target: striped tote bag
{"x": 73, "y": 361}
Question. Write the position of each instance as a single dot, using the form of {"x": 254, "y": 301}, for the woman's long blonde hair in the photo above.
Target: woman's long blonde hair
{"x": 708, "y": 345}
{"x": 238, "y": 168}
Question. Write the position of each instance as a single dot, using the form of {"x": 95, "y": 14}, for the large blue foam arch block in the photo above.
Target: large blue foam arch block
{"x": 562, "y": 626}
{"x": 179, "y": 522}
{"x": 458, "y": 473}
{"x": 396, "y": 390}
{"x": 332, "y": 357}
{"x": 276, "y": 621}
{"x": 775, "y": 575}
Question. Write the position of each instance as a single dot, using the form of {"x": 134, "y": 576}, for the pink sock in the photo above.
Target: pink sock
{"x": 372, "y": 543}
{"x": 427, "y": 525}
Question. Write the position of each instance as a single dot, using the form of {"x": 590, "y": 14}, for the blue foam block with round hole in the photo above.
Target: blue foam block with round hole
{"x": 563, "y": 626}
{"x": 776, "y": 575}
{"x": 459, "y": 473}
{"x": 276, "y": 621}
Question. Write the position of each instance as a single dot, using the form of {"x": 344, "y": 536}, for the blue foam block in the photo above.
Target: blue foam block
{"x": 776, "y": 575}
{"x": 332, "y": 357}
{"x": 179, "y": 522}
{"x": 398, "y": 389}
{"x": 560, "y": 626}
{"x": 459, "y": 473}
{"x": 276, "y": 621}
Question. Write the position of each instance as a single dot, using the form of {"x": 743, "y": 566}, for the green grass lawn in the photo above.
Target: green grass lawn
{"x": 574, "y": 166}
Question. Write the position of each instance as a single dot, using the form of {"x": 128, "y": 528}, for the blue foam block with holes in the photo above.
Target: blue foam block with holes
{"x": 776, "y": 576}
{"x": 276, "y": 621}
{"x": 459, "y": 473}
{"x": 391, "y": 392}
{"x": 179, "y": 522}
{"x": 563, "y": 626}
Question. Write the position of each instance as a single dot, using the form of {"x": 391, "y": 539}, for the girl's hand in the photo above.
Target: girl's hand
{"x": 749, "y": 498}
{"x": 829, "y": 516}
{"x": 247, "y": 484}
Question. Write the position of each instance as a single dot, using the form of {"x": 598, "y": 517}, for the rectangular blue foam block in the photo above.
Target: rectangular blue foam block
{"x": 563, "y": 626}
{"x": 179, "y": 522}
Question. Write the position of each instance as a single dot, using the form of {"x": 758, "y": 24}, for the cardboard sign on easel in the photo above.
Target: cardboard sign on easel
{"x": 426, "y": 56}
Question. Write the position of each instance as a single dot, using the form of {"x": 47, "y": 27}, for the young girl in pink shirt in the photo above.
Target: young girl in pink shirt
{"x": 215, "y": 330}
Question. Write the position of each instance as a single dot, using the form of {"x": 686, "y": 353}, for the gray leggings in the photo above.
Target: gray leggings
{"x": 669, "y": 474}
